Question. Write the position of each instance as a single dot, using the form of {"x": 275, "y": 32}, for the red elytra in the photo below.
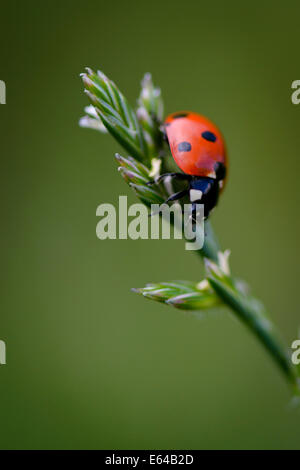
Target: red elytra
{"x": 196, "y": 143}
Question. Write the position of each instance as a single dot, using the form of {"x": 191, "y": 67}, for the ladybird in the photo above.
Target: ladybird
{"x": 198, "y": 149}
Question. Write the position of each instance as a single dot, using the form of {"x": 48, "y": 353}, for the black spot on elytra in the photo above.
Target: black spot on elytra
{"x": 184, "y": 147}
{"x": 210, "y": 136}
{"x": 180, "y": 115}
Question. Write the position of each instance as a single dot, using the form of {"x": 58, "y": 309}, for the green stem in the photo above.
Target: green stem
{"x": 261, "y": 327}
{"x": 250, "y": 312}
{"x": 211, "y": 245}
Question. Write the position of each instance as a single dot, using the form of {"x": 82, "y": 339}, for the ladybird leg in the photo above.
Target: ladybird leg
{"x": 194, "y": 212}
{"x": 180, "y": 176}
{"x": 194, "y": 216}
{"x": 173, "y": 197}
{"x": 176, "y": 196}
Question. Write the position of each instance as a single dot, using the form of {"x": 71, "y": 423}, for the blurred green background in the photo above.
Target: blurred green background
{"x": 90, "y": 364}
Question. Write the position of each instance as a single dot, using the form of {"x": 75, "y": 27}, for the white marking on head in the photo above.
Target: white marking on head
{"x": 212, "y": 174}
{"x": 221, "y": 184}
{"x": 195, "y": 195}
